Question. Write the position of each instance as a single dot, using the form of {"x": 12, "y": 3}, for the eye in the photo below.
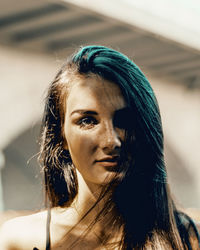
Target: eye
{"x": 123, "y": 119}
{"x": 87, "y": 122}
{"x": 120, "y": 122}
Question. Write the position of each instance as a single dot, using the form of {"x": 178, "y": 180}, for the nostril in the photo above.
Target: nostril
{"x": 111, "y": 143}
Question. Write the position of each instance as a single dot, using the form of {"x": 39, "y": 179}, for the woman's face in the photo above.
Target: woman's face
{"x": 93, "y": 128}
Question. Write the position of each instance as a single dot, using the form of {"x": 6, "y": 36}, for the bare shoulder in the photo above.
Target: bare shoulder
{"x": 194, "y": 213}
{"x": 197, "y": 223}
{"x": 25, "y": 232}
{"x": 193, "y": 236}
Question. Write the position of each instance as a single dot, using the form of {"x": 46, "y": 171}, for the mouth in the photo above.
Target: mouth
{"x": 110, "y": 163}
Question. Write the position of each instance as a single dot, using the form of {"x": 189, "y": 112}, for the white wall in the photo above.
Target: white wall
{"x": 24, "y": 77}
{"x": 180, "y": 111}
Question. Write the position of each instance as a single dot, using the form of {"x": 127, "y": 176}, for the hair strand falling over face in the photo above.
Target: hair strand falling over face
{"x": 139, "y": 195}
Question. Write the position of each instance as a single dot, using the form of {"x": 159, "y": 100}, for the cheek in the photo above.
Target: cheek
{"x": 121, "y": 133}
{"x": 81, "y": 145}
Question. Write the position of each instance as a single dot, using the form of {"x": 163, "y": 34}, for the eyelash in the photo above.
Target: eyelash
{"x": 120, "y": 121}
{"x": 87, "y": 121}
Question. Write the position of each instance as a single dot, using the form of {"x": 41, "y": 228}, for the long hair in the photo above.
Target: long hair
{"x": 142, "y": 197}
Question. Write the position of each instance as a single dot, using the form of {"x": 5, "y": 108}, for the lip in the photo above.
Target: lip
{"x": 109, "y": 161}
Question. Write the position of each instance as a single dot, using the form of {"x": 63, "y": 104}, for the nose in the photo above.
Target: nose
{"x": 110, "y": 139}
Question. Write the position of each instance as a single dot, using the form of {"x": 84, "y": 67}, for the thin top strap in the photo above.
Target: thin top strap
{"x": 48, "y": 239}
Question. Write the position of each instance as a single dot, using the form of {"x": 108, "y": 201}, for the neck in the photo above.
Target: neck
{"x": 88, "y": 194}
{"x": 86, "y": 199}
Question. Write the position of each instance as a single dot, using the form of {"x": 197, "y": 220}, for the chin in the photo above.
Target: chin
{"x": 105, "y": 179}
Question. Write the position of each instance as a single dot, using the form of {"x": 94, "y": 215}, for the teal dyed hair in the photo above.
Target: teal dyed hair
{"x": 142, "y": 197}
{"x": 116, "y": 67}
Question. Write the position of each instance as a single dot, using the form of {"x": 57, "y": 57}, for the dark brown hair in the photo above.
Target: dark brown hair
{"x": 142, "y": 199}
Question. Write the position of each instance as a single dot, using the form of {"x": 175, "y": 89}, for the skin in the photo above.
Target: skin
{"x": 90, "y": 133}
{"x": 94, "y": 139}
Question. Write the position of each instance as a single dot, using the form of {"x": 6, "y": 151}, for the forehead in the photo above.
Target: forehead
{"x": 94, "y": 92}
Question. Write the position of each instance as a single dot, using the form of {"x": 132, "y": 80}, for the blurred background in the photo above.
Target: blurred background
{"x": 161, "y": 36}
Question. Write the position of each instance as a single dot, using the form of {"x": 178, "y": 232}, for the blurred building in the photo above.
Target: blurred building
{"x": 35, "y": 38}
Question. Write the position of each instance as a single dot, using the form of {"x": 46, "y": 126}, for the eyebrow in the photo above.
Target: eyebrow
{"x": 90, "y": 112}
{"x": 84, "y": 112}
{"x": 123, "y": 110}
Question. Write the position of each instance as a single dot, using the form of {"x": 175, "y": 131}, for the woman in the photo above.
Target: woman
{"x": 102, "y": 157}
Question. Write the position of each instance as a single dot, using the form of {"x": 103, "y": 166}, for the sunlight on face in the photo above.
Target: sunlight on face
{"x": 93, "y": 130}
